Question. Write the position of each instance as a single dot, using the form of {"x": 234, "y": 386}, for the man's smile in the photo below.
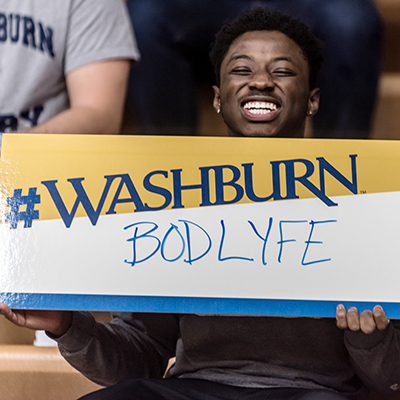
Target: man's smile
{"x": 260, "y": 110}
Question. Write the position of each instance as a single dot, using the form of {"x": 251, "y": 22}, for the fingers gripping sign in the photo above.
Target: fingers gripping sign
{"x": 367, "y": 322}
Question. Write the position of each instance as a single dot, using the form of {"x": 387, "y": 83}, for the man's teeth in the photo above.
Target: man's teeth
{"x": 260, "y": 107}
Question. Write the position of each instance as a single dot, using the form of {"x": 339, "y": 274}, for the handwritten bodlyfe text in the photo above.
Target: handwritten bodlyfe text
{"x": 178, "y": 240}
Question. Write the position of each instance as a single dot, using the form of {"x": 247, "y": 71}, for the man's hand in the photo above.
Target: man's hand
{"x": 55, "y": 322}
{"x": 366, "y": 322}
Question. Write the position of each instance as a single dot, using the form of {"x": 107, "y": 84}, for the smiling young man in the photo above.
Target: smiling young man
{"x": 266, "y": 66}
{"x": 265, "y": 81}
{"x": 264, "y": 88}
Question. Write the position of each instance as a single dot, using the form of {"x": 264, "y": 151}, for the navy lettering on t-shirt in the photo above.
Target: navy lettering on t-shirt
{"x": 16, "y": 28}
{"x": 33, "y": 114}
{"x": 9, "y": 123}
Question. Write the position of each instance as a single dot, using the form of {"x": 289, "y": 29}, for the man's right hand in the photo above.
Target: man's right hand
{"x": 55, "y": 322}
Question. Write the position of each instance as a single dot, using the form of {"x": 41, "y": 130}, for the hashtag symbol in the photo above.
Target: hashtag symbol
{"x": 16, "y": 202}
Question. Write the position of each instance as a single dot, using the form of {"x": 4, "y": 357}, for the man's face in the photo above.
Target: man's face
{"x": 264, "y": 88}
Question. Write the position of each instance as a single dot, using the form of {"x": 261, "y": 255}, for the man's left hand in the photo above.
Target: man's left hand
{"x": 367, "y": 322}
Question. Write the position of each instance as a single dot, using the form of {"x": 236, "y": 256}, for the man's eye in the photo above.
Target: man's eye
{"x": 241, "y": 71}
{"x": 283, "y": 72}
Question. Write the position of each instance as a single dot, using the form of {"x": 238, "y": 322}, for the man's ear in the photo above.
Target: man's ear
{"x": 313, "y": 101}
{"x": 217, "y": 99}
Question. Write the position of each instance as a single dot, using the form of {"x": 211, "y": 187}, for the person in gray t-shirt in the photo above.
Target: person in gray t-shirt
{"x": 64, "y": 65}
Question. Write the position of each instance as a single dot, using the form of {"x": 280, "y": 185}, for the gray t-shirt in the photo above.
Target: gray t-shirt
{"x": 42, "y": 40}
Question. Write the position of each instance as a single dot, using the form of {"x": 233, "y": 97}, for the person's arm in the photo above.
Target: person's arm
{"x": 97, "y": 95}
{"x": 373, "y": 343}
{"x": 131, "y": 346}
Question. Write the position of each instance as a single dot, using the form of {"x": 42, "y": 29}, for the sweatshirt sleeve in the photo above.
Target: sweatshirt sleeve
{"x": 376, "y": 357}
{"x": 130, "y": 346}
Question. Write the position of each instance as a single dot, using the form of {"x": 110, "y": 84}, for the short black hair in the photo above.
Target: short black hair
{"x": 263, "y": 19}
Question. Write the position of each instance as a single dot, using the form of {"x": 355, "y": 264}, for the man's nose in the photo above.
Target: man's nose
{"x": 262, "y": 80}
